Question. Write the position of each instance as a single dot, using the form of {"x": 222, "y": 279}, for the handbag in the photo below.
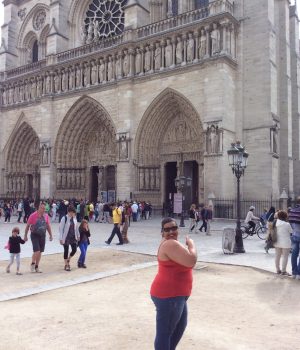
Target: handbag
{"x": 274, "y": 232}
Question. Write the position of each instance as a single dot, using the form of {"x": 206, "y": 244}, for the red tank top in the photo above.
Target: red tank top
{"x": 172, "y": 280}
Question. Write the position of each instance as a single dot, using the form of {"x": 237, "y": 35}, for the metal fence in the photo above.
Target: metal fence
{"x": 226, "y": 208}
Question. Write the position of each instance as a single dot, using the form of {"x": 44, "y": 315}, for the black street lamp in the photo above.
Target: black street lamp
{"x": 181, "y": 183}
{"x": 238, "y": 158}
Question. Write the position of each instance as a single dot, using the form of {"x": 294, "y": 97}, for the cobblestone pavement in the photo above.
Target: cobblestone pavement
{"x": 144, "y": 238}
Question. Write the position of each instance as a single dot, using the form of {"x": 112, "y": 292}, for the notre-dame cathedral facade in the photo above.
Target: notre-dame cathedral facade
{"x": 119, "y": 97}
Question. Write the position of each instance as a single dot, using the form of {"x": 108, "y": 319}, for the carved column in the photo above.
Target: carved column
{"x": 143, "y": 60}
{"x": 162, "y": 61}
{"x": 225, "y": 38}
{"x": 233, "y": 40}
{"x": 131, "y": 54}
{"x": 151, "y": 47}
{"x": 174, "y": 42}
{"x": 196, "y": 36}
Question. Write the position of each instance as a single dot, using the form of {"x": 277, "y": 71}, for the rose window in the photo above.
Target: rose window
{"x": 106, "y": 17}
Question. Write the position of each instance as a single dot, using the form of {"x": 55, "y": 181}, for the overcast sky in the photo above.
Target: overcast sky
{"x": 2, "y": 11}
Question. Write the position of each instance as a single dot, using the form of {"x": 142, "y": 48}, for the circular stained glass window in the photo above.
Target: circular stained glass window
{"x": 107, "y": 15}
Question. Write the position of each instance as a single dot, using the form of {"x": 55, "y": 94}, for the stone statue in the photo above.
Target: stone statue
{"x": 100, "y": 179}
{"x": 202, "y": 44}
{"x": 85, "y": 74}
{"x": 58, "y": 179}
{"x": 109, "y": 69}
{"x": 56, "y": 82}
{"x": 213, "y": 139}
{"x": 170, "y": 8}
{"x": 126, "y": 64}
{"x": 64, "y": 86}
{"x": 190, "y": 50}
{"x": 179, "y": 49}
{"x": 169, "y": 53}
{"x": 83, "y": 34}
{"x": 274, "y": 139}
{"x": 4, "y": 97}
{"x": 215, "y": 40}
{"x": 157, "y": 57}
{"x": 138, "y": 61}
{"x": 94, "y": 74}
{"x": 33, "y": 89}
{"x": 48, "y": 84}
{"x": 77, "y": 179}
{"x": 45, "y": 151}
{"x": 63, "y": 179}
{"x": 119, "y": 67}
{"x": 78, "y": 76}
{"x": 101, "y": 71}
{"x": 96, "y": 31}
{"x": 39, "y": 87}
{"x": 147, "y": 59}
{"x": 71, "y": 78}
{"x": 90, "y": 33}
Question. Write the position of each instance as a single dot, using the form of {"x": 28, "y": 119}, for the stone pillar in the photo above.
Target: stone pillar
{"x": 207, "y": 30}
{"x": 184, "y": 37}
{"x": 136, "y": 14}
{"x": 45, "y": 182}
{"x": 225, "y": 38}
{"x": 283, "y": 200}
{"x": 196, "y": 36}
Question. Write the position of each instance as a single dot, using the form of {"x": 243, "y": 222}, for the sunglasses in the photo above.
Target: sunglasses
{"x": 169, "y": 229}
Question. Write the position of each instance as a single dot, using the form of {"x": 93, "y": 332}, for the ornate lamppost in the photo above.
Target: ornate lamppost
{"x": 181, "y": 183}
{"x": 238, "y": 158}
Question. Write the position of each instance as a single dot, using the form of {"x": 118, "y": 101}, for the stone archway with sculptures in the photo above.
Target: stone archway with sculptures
{"x": 22, "y": 172}
{"x": 169, "y": 143}
{"x": 85, "y": 153}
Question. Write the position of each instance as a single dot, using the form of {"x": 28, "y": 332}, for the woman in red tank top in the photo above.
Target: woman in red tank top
{"x": 172, "y": 286}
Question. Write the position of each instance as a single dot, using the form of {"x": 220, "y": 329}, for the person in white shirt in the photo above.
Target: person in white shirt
{"x": 283, "y": 243}
{"x": 250, "y": 217}
{"x": 134, "y": 209}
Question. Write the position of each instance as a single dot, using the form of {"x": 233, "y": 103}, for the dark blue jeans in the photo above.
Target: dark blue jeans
{"x": 171, "y": 321}
{"x": 83, "y": 248}
{"x": 295, "y": 254}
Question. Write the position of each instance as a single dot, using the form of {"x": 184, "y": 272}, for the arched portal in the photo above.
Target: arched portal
{"x": 169, "y": 143}
{"x": 23, "y": 164}
{"x": 85, "y": 152}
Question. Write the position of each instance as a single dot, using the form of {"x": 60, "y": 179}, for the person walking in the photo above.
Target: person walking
{"x": 38, "y": 223}
{"x": 15, "y": 249}
{"x": 209, "y": 218}
{"x": 192, "y": 218}
{"x": 117, "y": 221}
{"x": 69, "y": 235}
{"x": 172, "y": 286}
{"x": 134, "y": 210}
{"x": 20, "y": 210}
{"x": 203, "y": 214}
{"x": 283, "y": 243}
{"x": 294, "y": 219}
{"x": 84, "y": 242}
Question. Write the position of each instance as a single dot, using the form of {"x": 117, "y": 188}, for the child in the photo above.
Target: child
{"x": 14, "y": 248}
{"x": 83, "y": 242}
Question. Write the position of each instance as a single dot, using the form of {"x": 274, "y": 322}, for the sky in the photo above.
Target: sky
{"x": 2, "y": 11}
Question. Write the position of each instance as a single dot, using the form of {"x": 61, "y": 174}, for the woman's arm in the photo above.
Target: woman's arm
{"x": 175, "y": 251}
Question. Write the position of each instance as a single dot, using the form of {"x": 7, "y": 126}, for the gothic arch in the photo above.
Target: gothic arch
{"x": 26, "y": 32}
{"x": 23, "y": 162}
{"x": 76, "y": 17}
{"x": 171, "y": 125}
{"x": 86, "y": 139}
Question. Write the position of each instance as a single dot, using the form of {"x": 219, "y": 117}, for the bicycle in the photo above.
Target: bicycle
{"x": 260, "y": 230}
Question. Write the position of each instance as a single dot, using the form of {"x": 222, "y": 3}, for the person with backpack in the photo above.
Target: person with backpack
{"x": 38, "y": 223}
{"x": 69, "y": 235}
{"x": 117, "y": 221}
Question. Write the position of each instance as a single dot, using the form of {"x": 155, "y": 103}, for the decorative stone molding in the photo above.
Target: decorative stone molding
{"x": 39, "y": 20}
{"x": 22, "y": 13}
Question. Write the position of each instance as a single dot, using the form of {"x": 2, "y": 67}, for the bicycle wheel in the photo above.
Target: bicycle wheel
{"x": 245, "y": 234}
{"x": 262, "y": 233}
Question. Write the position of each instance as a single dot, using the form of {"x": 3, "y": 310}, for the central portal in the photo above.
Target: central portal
{"x": 103, "y": 183}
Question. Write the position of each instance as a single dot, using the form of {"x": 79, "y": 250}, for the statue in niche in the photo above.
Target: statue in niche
{"x": 85, "y": 74}
{"x": 39, "y": 87}
{"x": 110, "y": 69}
{"x": 64, "y": 86}
{"x": 48, "y": 84}
{"x": 56, "y": 82}
{"x": 58, "y": 179}
{"x": 90, "y": 33}
{"x": 202, "y": 44}
{"x": 179, "y": 50}
{"x": 190, "y": 50}
{"x": 71, "y": 78}
{"x": 63, "y": 179}
{"x": 101, "y": 71}
{"x": 83, "y": 34}
{"x": 169, "y": 53}
{"x": 32, "y": 89}
{"x": 45, "y": 154}
{"x": 157, "y": 57}
{"x": 4, "y": 97}
{"x": 119, "y": 67}
{"x": 147, "y": 59}
{"x": 11, "y": 96}
{"x": 126, "y": 64}
{"x": 215, "y": 40}
{"x": 123, "y": 147}
{"x": 94, "y": 74}
{"x": 138, "y": 61}
{"x": 170, "y": 8}
{"x": 180, "y": 131}
{"x": 274, "y": 139}
{"x": 96, "y": 31}
{"x": 213, "y": 142}
{"x": 78, "y": 77}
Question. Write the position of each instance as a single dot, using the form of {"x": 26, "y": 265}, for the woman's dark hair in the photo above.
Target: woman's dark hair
{"x": 272, "y": 210}
{"x": 282, "y": 215}
{"x": 81, "y": 224}
{"x": 166, "y": 221}
{"x": 71, "y": 209}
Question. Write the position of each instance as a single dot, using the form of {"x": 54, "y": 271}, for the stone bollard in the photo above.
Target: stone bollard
{"x": 228, "y": 240}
